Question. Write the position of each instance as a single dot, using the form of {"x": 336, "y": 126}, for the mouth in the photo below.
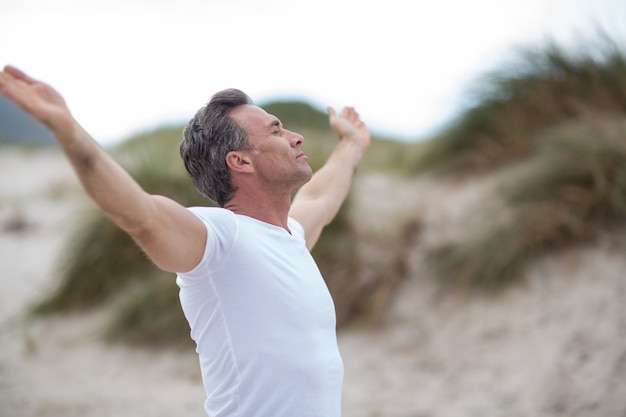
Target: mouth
{"x": 302, "y": 155}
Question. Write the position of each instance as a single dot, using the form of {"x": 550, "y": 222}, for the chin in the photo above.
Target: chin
{"x": 306, "y": 176}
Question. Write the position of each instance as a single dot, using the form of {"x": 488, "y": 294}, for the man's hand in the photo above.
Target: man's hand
{"x": 39, "y": 100}
{"x": 348, "y": 125}
{"x": 319, "y": 200}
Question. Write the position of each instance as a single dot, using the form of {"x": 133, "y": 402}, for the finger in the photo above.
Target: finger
{"x": 355, "y": 118}
{"x": 18, "y": 74}
{"x": 351, "y": 115}
{"x": 6, "y": 81}
{"x": 4, "y": 78}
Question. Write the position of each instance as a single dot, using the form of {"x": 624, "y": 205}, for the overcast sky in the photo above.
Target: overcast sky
{"x": 124, "y": 66}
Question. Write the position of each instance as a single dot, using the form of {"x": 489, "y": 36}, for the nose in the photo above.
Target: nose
{"x": 295, "y": 139}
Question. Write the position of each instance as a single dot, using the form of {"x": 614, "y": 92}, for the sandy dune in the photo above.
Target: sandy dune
{"x": 555, "y": 345}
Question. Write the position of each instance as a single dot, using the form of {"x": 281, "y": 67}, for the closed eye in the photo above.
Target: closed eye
{"x": 276, "y": 127}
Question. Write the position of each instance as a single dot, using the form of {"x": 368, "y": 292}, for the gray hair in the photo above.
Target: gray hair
{"x": 206, "y": 140}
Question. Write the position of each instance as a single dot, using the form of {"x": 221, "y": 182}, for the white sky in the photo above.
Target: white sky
{"x": 128, "y": 65}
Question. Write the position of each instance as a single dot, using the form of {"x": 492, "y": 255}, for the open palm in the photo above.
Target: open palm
{"x": 38, "y": 99}
{"x": 348, "y": 125}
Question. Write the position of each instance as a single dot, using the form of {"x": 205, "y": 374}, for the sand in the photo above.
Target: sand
{"x": 553, "y": 345}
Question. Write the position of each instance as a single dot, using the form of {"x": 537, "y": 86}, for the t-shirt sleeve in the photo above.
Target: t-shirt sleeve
{"x": 221, "y": 228}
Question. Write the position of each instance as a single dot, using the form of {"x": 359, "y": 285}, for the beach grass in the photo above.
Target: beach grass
{"x": 551, "y": 128}
{"x": 542, "y": 86}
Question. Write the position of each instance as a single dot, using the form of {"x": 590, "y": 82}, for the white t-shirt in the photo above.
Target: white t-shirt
{"x": 263, "y": 321}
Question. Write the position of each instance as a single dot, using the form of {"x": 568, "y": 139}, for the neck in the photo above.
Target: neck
{"x": 269, "y": 210}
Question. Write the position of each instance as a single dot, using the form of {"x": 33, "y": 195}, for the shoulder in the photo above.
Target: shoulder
{"x": 222, "y": 231}
{"x": 221, "y": 223}
{"x": 214, "y": 216}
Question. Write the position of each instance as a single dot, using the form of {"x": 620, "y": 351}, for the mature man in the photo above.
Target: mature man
{"x": 259, "y": 311}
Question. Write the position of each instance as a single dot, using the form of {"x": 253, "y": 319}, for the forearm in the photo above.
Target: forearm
{"x": 331, "y": 183}
{"x": 104, "y": 180}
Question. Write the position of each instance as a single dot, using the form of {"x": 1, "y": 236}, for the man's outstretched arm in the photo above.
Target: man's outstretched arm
{"x": 169, "y": 234}
{"x": 319, "y": 200}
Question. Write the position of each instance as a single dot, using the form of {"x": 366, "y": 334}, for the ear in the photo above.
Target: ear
{"x": 239, "y": 161}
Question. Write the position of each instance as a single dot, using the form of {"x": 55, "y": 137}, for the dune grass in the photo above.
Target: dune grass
{"x": 150, "y": 315}
{"x": 557, "y": 116}
{"x": 553, "y": 124}
{"x": 542, "y": 87}
{"x": 574, "y": 187}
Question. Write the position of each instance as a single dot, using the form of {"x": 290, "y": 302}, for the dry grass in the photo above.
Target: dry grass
{"x": 573, "y": 187}
{"x": 150, "y": 315}
{"x": 554, "y": 115}
{"x": 543, "y": 87}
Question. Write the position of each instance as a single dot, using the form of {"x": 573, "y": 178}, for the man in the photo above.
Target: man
{"x": 260, "y": 314}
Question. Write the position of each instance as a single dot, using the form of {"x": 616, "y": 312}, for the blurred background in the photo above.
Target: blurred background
{"x": 406, "y": 67}
{"x": 477, "y": 266}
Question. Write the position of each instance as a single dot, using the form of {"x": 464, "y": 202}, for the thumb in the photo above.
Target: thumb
{"x": 331, "y": 113}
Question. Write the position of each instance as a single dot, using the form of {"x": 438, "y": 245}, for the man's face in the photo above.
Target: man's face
{"x": 276, "y": 155}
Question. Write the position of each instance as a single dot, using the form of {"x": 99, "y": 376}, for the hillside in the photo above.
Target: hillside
{"x": 479, "y": 273}
{"x": 552, "y": 345}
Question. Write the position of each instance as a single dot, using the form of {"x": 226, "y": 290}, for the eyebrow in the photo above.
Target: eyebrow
{"x": 275, "y": 123}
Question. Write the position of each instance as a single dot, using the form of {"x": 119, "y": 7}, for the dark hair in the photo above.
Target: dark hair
{"x": 207, "y": 138}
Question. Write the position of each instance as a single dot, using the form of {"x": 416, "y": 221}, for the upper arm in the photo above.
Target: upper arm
{"x": 172, "y": 236}
{"x": 312, "y": 216}
{"x": 319, "y": 200}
